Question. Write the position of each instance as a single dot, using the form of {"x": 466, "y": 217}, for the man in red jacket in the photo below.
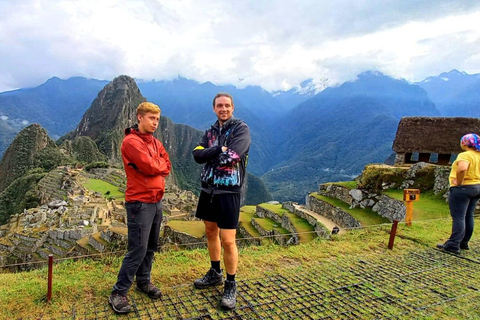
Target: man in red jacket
{"x": 146, "y": 164}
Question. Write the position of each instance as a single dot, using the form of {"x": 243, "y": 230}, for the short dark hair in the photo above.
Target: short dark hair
{"x": 222, "y": 94}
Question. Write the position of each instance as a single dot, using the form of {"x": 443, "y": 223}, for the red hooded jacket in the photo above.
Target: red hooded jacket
{"x": 146, "y": 164}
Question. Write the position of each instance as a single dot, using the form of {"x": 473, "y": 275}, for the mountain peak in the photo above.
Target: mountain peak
{"x": 111, "y": 112}
{"x": 25, "y": 153}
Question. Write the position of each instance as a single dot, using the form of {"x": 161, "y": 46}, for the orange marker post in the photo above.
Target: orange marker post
{"x": 410, "y": 196}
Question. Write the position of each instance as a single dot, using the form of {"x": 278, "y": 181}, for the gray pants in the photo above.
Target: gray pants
{"x": 143, "y": 220}
{"x": 462, "y": 201}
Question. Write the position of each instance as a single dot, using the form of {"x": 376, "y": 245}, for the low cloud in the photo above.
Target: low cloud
{"x": 273, "y": 44}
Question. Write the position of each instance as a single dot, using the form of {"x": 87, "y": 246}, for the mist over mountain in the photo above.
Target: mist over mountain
{"x": 300, "y": 137}
{"x": 189, "y": 102}
{"x": 98, "y": 137}
{"x": 57, "y": 104}
{"x": 331, "y": 136}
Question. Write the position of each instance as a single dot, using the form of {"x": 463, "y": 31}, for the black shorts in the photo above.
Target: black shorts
{"x": 224, "y": 209}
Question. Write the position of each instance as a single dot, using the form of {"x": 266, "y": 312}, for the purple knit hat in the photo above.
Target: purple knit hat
{"x": 471, "y": 140}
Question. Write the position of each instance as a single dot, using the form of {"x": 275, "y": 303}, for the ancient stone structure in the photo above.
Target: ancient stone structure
{"x": 302, "y": 212}
{"x": 337, "y": 215}
{"x": 284, "y": 221}
{"x": 187, "y": 241}
{"x": 431, "y": 137}
{"x": 385, "y": 206}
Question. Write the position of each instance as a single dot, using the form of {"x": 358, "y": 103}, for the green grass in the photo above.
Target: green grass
{"x": 365, "y": 216}
{"x": 277, "y": 208}
{"x": 305, "y": 230}
{"x": 194, "y": 228}
{"x": 103, "y": 187}
{"x": 246, "y": 215}
{"x": 268, "y": 224}
{"x": 88, "y": 281}
{"x": 429, "y": 206}
{"x": 301, "y": 225}
{"x": 347, "y": 184}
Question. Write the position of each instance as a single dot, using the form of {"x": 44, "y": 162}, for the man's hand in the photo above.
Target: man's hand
{"x": 224, "y": 148}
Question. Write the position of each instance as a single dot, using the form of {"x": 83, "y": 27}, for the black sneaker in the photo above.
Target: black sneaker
{"x": 445, "y": 248}
{"x": 464, "y": 246}
{"x": 229, "y": 299}
{"x": 211, "y": 279}
{"x": 150, "y": 289}
{"x": 119, "y": 303}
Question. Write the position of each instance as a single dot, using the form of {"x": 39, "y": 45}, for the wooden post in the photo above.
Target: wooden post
{"x": 50, "y": 275}
{"x": 409, "y": 213}
{"x": 393, "y": 232}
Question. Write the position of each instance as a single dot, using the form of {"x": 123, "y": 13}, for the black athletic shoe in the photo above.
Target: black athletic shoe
{"x": 119, "y": 303}
{"x": 445, "y": 248}
{"x": 229, "y": 299}
{"x": 211, "y": 279}
{"x": 150, "y": 289}
{"x": 464, "y": 246}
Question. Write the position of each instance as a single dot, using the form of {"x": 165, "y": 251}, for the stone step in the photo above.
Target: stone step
{"x": 25, "y": 237}
{"x": 61, "y": 243}
{"x": 24, "y": 248}
{"x": 57, "y": 250}
{"x": 44, "y": 253}
{"x": 97, "y": 242}
{"x": 85, "y": 247}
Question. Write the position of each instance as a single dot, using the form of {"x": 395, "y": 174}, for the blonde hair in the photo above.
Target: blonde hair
{"x": 145, "y": 107}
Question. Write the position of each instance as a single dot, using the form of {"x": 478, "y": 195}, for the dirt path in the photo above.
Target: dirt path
{"x": 325, "y": 221}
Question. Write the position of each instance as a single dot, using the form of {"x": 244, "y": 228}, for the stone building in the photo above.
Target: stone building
{"x": 431, "y": 139}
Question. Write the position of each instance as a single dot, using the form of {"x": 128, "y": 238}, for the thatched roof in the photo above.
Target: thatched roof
{"x": 433, "y": 134}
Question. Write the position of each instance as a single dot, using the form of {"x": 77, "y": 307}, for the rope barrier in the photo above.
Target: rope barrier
{"x": 176, "y": 245}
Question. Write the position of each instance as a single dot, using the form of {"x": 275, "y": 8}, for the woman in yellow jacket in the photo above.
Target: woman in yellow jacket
{"x": 464, "y": 193}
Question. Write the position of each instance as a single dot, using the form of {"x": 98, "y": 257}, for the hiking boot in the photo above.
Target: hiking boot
{"x": 150, "y": 289}
{"x": 229, "y": 299}
{"x": 211, "y": 279}
{"x": 119, "y": 303}
{"x": 464, "y": 246}
{"x": 448, "y": 249}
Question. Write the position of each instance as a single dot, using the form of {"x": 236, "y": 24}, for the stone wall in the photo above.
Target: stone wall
{"x": 336, "y": 191}
{"x": 247, "y": 238}
{"x": 389, "y": 208}
{"x": 284, "y": 221}
{"x": 97, "y": 244}
{"x": 383, "y": 205}
{"x": 441, "y": 183}
{"x": 320, "y": 229}
{"x": 70, "y": 234}
{"x": 276, "y": 236}
{"x": 265, "y": 213}
{"x": 340, "y": 217}
{"x": 184, "y": 239}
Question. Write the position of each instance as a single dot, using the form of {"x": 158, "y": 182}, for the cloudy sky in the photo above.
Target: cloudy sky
{"x": 274, "y": 44}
